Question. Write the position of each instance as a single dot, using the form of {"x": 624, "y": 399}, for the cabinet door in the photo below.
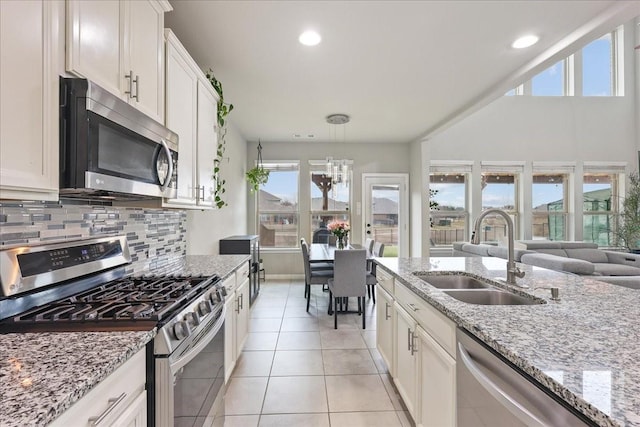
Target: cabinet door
{"x": 182, "y": 104}
{"x": 94, "y": 42}
{"x": 437, "y": 383}
{"x": 384, "y": 328}
{"x": 144, "y": 53}
{"x": 29, "y": 101}
{"x": 242, "y": 321}
{"x": 135, "y": 415}
{"x": 207, "y": 141}
{"x": 406, "y": 358}
{"x": 229, "y": 335}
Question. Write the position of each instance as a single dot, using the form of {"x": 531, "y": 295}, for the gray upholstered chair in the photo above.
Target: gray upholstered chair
{"x": 311, "y": 276}
{"x": 378, "y": 251}
{"x": 368, "y": 245}
{"x": 316, "y": 266}
{"x": 349, "y": 280}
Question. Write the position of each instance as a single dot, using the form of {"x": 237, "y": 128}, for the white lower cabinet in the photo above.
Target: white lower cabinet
{"x": 417, "y": 343}
{"x": 384, "y": 327}
{"x": 406, "y": 373}
{"x": 236, "y": 321}
{"x": 437, "y": 383}
{"x": 120, "y": 400}
{"x": 242, "y": 316}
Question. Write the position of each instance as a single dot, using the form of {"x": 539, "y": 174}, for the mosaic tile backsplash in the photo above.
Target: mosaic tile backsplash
{"x": 156, "y": 237}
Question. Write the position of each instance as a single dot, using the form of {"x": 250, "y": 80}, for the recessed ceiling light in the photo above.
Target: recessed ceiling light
{"x": 525, "y": 41}
{"x": 309, "y": 38}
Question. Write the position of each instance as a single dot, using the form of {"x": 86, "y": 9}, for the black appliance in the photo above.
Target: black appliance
{"x": 248, "y": 244}
{"x": 82, "y": 286}
{"x": 109, "y": 149}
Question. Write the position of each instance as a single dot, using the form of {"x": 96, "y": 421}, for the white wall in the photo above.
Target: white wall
{"x": 368, "y": 158}
{"x": 206, "y": 228}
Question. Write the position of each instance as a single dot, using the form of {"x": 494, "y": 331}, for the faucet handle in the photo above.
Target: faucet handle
{"x": 518, "y": 273}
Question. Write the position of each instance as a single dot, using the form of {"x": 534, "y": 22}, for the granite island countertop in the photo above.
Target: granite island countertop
{"x": 42, "y": 374}
{"x": 584, "y": 348}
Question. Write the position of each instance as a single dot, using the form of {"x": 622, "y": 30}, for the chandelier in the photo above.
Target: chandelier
{"x": 338, "y": 170}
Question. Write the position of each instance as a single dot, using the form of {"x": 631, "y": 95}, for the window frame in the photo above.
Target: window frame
{"x": 316, "y": 166}
{"x": 567, "y": 171}
{"x": 282, "y": 165}
{"x": 517, "y": 169}
{"x": 453, "y": 168}
{"x": 618, "y": 176}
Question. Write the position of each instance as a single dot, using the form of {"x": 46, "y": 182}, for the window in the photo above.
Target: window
{"x": 550, "y": 82}
{"x": 278, "y": 214}
{"x": 450, "y": 218}
{"x": 597, "y": 67}
{"x": 600, "y": 192}
{"x": 330, "y": 201}
{"x": 550, "y": 205}
{"x": 500, "y": 190}
{"x": 600, "y": 66}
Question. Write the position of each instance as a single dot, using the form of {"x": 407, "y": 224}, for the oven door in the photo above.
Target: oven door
{"x": 189, "y": 384}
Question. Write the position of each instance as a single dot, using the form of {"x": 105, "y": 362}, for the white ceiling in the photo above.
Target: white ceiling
{"x": 400, "y": 69}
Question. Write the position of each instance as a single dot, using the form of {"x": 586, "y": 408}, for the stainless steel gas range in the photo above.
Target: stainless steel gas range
{"x": 82, "y": 286}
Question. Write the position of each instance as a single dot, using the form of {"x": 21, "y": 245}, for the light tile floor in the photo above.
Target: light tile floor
{"x": 297, "y": 370}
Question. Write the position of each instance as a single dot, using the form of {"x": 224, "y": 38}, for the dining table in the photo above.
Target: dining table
{"x": 324, "y": 252}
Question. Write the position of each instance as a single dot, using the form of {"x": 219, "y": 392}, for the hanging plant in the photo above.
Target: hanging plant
{"x": 257, "y": 175}
{"x": 223, "y": 111}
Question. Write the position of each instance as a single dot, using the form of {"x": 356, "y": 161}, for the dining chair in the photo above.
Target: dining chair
{"x": 378, "y": 251}
{"x": 349, "y": 280}
{"x": 311, "y": 276}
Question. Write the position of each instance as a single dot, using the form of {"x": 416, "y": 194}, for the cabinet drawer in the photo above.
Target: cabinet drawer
{"x": 111, "y": 397}
{"x": 230, "y": 284}
{"x": 442, "y": 329}
{"x": 385, "y": 280}
{"x": 242, "y": 273}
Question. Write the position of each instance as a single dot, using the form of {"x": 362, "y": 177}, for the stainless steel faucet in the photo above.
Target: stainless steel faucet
{"x": 512, "y": 270}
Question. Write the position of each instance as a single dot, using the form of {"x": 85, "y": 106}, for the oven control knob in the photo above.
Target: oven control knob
{"x": 223, "y": 291}
{"x": 192, "y": 318}
{"x": 181, "y": 330}
{"x": 204, "y": 308}
{"x": 214, "y": 297}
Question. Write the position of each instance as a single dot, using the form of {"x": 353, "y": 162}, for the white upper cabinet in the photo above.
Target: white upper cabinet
{"x": 181, "y": 116}
{"x": 207, "y": 140}
{"x": 29, "y": 48}
{"x": 120, "y": 46}
{"x": 191, "y": 112}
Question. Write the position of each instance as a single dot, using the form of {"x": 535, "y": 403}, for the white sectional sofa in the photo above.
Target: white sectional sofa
{"x": 582, "y": 258}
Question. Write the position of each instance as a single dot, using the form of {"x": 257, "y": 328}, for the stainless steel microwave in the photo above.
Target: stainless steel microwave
{"x": 109, "y": 149}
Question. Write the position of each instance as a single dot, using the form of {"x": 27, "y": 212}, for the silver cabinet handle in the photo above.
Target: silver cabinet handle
{"x": 113, "y": 402}
{"x": 408, "y": 339}
{"x": 386, "y": 311}
{"x": 513, "y": 406}
{"x": 413, "y": 307}
{"x": 137, "y": 82}
{"x": 238, "y": 305}
{"x": 413, "y": 343}
{"x": 241, "y": 301}
{"x": 130, "y": 77}
{"x": 202, "y": 189}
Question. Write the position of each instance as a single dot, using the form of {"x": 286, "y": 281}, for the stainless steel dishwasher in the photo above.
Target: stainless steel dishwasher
{"x": 493, "y": 393}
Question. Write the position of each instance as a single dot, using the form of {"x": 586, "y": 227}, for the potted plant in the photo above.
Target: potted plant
{"x": 223, "y": 111}
{"x": 257, "y": 175}
{"x": 628, "y": 231}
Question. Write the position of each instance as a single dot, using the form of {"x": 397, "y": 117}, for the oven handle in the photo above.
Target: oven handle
{"x": 176, "y": 365}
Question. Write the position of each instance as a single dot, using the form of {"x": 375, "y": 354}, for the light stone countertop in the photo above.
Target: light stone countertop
{"x": 42, "y": 374}
{"x": 584, "y": 348}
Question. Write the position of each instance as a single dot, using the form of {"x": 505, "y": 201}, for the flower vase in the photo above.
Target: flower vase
{"x": 340, "y": 242}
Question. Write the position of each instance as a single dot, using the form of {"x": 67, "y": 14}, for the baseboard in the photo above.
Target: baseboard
{"x": 284, "y": 277}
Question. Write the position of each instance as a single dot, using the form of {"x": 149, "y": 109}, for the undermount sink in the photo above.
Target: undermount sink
{"x": 490, "y": 297}
{"x": 455, "y": 282}
{"x": 473, "y": 290}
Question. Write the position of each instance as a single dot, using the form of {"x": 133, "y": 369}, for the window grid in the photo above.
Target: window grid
{"x": 450, "y": 220}
{"x": 328, "y": 205}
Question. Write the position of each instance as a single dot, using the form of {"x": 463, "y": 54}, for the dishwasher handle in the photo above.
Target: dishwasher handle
{"x": 507, "y": 401}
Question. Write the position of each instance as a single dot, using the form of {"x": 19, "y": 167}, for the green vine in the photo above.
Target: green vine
{"x": 223, "y": 111}
{"x": 257, "y": 175}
